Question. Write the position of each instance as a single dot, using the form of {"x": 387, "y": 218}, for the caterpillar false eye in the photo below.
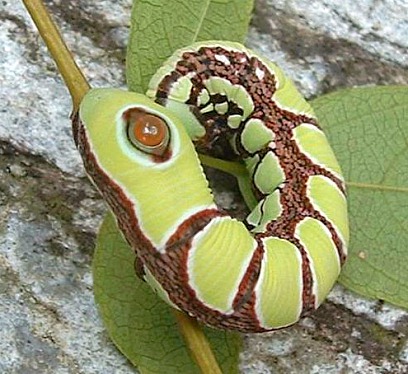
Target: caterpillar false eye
{"x": 147, "y": 132}
{"x": 254, "y": 277}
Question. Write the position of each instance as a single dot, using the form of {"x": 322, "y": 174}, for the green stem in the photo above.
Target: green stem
{"x": 72, "y": 75}
{"x": 78, "y": 86}
{"x": 234, "y": 168}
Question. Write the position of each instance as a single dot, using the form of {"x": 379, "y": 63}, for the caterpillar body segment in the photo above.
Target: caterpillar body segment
{"x": 255, "y": 276}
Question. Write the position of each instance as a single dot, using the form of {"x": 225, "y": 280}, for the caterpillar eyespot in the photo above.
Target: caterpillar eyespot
{"x": 253, "y": 276}
{"x": 149, "y": 133}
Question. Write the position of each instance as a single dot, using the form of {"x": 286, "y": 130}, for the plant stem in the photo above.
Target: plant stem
{"x": 72, "y": 75}
{"x": 197, "y": 343}
{"x": 234, "y": 168}
{"x": 78, "y": 86}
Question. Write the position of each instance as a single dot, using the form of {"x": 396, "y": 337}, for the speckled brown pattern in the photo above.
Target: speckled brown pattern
{"x": 297, "y": 167}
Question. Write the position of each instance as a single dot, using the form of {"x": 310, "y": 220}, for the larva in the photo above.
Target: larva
{"x": 254, "y": 276}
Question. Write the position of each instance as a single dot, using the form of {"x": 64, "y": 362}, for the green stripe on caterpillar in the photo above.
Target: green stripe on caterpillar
{"x": 258, "y": 275}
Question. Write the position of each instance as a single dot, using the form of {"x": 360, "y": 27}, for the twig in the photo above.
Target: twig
{"x": 72, "y": 75}
{"x": 197, "y": 343}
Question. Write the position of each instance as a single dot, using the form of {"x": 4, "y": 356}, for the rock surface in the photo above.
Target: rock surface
{"x": 49, "y": 212}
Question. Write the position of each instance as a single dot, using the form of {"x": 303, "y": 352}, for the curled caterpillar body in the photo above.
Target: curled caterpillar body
{"x": 255, "y": 276}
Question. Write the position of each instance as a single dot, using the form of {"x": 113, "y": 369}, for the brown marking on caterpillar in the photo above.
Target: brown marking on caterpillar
{"x": 296, "y": 166}
{"x": 171, "y": 271}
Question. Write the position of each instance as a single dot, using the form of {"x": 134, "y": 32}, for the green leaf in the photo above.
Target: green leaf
{"x": 142, "y": 326}
{"x": 159, "y": 27}
{"x": 368, "y": 128}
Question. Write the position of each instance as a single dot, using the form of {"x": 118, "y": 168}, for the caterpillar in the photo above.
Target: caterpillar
{"x": 224, "y": 100}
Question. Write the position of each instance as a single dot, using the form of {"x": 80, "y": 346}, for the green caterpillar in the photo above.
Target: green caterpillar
{"x": 254, "y": 276}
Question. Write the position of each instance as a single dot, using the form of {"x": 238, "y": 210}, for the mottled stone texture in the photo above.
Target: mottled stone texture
{"x": 49, "y": 212}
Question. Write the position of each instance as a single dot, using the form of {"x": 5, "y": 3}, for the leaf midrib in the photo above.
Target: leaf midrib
{"x": 378, "y": 187}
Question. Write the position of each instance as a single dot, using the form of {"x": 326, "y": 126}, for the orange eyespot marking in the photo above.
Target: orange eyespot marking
{"x": 147, "y": 132}
{"x": 150, "y": 130}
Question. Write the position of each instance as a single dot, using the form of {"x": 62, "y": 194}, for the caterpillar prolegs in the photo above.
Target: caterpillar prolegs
{"x": 254, "y": 276}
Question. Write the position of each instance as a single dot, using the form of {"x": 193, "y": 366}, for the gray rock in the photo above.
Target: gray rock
{"x": 49, "y": 213}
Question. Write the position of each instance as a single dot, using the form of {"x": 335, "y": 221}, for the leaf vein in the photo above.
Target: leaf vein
{"x": 377, "y": 187}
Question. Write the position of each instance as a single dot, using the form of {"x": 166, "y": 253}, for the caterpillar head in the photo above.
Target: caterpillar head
{"x": 142, "y": 161}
